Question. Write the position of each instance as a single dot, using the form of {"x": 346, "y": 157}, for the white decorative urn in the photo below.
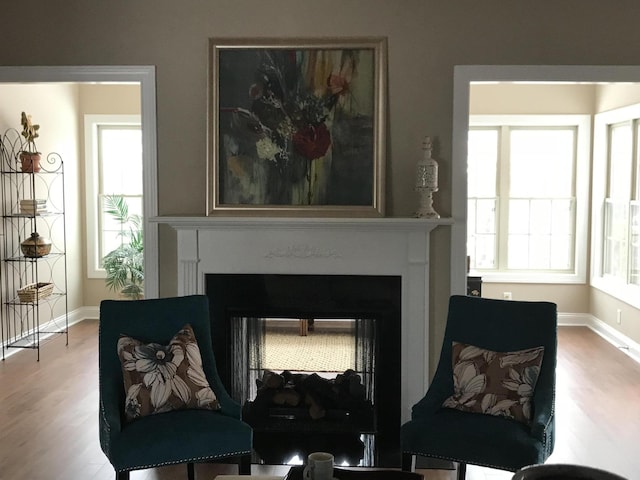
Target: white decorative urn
{"x": 426, "y": 181}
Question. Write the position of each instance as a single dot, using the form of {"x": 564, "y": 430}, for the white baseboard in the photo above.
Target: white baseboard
{"x": 87, "y": 313}
{"x": 75, "y": 316}
{"x": 610, "y": 334}
{"x": 606, "y": 331}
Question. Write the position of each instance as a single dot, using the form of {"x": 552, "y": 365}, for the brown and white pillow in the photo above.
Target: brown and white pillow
{"x": 160, "y": 378}
{"x": 494, "y": 383}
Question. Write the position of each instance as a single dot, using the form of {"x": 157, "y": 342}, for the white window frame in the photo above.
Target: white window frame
{"x": 583, "y": 141}
{"x": 613, "y": 286}
{"x": 91, "y": 124}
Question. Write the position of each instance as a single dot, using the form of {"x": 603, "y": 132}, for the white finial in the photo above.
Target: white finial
{"x": 427, "y": 146}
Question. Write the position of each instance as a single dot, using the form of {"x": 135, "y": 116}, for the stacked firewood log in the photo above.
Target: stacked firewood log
{"x": 311, "y": 392}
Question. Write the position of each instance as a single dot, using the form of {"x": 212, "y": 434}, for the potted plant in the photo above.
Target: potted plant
{"x": 125, "y": 264}
{"x": 29, "y": 156}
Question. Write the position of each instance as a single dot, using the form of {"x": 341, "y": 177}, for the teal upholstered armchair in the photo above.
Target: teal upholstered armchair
{"x": 505, "y": 433}
{"x": 181, "y": 435}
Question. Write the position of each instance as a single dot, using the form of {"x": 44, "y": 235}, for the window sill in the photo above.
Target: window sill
{"x": 558, "y": 278}
{"x": 97, "y": 274}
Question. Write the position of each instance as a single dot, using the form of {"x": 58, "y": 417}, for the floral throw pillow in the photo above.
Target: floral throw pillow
{"x": 494, "y": 383}
{"x": 160, "y": 378}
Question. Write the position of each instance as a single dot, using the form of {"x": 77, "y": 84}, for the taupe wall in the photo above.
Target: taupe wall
{"x": 532, "y": 99}
{"x": 427, "y": 38}
{"x": 616, "y": 95}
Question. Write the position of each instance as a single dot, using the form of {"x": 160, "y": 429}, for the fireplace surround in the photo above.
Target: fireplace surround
{"x": 397, "y": 247}
{"x": 321, "y": 246}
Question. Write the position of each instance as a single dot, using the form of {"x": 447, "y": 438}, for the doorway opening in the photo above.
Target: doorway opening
{"x": 465, "y": 79}
{"x": 144, "y": 76}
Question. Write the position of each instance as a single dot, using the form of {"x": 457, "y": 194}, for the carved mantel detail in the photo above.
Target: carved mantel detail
{"x": 302, "y": 251}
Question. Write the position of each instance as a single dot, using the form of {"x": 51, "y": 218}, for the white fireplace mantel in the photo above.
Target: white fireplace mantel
{"x": 321, "y": 246}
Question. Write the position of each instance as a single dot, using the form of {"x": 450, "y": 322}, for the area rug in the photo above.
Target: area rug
{"x": 319, "y": 351}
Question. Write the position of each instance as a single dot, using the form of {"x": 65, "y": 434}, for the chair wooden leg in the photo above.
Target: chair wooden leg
{"x": 122, "y": 475}
{"x": 244, "y": 465}
{"x": 462, "y": 470}
{"x": 191, "y": 474}
{"x": 408, "y": 462}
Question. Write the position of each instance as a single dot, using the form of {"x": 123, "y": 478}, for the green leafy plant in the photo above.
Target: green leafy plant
{"x": 125, "y": 264}
{"x": 29, "y": 132}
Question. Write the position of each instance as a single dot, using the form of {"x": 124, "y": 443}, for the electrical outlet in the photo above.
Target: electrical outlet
{"x": 619, "y": 316}
{"x": 507, "y": 295}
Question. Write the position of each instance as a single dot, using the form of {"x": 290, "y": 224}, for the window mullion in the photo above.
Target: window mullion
{"x": 503, "y": 195}
{"x": 632, "y": 226}
{"x": 634, "y": 243}
{"x": 635, "y": 164}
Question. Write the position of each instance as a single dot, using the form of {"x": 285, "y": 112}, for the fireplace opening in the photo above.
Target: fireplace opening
{"x": 307, "y": 377}
{"x": 315, "y": 362}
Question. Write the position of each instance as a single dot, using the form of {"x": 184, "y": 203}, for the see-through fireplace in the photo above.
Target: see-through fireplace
{"x": 315, "y": 362}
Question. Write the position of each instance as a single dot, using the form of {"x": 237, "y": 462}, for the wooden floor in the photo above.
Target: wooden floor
{"x": 49, "y": 413}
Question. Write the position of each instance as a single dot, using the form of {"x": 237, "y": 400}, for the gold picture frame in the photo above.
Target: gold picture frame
{"x": 297, "y": 127}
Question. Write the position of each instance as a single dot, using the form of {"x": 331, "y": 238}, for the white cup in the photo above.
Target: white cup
{"x": 319, "y": 467}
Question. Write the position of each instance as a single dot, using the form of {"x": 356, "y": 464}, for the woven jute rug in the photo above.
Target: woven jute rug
{"x": 319, "y": 351}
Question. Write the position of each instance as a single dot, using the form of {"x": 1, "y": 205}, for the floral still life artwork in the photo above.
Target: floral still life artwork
{"x": 298, "y": 128}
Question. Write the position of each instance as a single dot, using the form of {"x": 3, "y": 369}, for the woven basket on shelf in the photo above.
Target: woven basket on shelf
{"x": 34, "y": 291}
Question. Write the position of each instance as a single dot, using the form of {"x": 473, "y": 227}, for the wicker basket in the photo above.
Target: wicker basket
{"x": 34, "y": 291}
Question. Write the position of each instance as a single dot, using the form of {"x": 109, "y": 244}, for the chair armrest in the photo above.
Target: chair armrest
{"x": 437, "y": 393}
{"x": 540, "y": 424}
{"x": 543, "y": 414}
{"x": 228, "y": 406}
{"x": 110, "y": 420}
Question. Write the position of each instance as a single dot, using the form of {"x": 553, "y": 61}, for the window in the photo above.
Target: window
{"x": 113, "y": 161}
{"x": 616, "y": 203}
{"x": 526, "y": 221}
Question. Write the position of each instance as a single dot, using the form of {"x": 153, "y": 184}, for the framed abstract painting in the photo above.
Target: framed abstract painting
{"x": 296, "y": 127}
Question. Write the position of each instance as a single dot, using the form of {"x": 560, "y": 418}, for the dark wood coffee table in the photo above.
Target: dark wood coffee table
{"x": 359, "y": 474}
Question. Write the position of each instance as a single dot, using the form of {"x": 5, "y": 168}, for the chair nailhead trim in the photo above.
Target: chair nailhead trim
{"x": 497, "y": 467}
{"x": 187, "y": 460}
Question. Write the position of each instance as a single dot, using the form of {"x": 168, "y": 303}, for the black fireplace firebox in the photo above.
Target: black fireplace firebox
{"x": 368, "y": 436}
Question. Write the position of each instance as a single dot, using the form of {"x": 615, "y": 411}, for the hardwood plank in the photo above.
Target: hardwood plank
{"x": 49, "y": 413}
{"x": 598, "y": 404}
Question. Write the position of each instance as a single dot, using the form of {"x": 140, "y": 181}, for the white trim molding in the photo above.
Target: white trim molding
{"x": 618, "y": 288}
{"x": 54, "y": 325}
{"x": 92, "y": 172}
{"x": 610, "y": 334}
